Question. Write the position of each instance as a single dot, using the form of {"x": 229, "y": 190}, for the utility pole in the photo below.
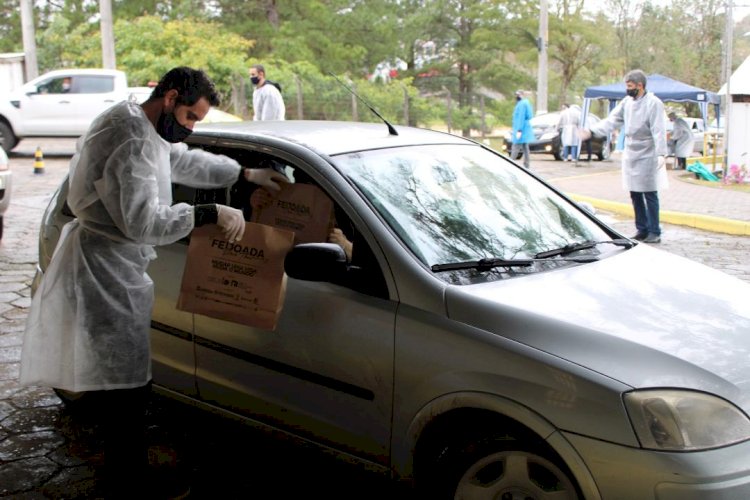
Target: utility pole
{"x": 108, "y": 36}
{"x": 541, "y": 84}
{"x": 29, "y": 42}
{"x": 729, "y": 34}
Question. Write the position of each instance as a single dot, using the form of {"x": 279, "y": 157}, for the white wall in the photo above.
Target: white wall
{"x": 11, "y": 72}
{"x": 739, "y": 131}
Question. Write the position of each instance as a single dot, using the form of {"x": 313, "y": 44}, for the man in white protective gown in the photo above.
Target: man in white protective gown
{"x": 641, "y": 117}
{"x": 89, "y": 322}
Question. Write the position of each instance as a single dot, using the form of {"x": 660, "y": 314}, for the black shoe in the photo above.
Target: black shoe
{"x": 639, "y": 236}
{"x": 652, "y": 238}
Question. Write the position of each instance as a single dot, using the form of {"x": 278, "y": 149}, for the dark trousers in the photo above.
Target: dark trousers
{"x": 646, "y": 208}
{"x": 121, "y": 413}
{"x": 681, "y": 163}
{"x": 518, "y": 146}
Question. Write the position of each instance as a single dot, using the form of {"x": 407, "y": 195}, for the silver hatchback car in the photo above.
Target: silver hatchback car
{"x": 488, "y": 339}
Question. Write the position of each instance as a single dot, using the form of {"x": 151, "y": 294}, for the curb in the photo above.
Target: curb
{"x": 705, "y": 222}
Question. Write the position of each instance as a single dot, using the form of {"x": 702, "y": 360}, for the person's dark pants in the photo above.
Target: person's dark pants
{"x": 646, "y": 208}
{"x": 518, "y": 147}
{"x": 122, "y": 416}
{"x": 681, "y": 163}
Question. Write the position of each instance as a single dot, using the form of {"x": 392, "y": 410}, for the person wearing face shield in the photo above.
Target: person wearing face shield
{"x": 89, "y": 321}
{"x": 640, "y": 116}
{"x": 267, "y": 101}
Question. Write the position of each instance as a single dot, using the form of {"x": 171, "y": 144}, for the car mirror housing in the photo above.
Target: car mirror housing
{"x": 316, "y": 262}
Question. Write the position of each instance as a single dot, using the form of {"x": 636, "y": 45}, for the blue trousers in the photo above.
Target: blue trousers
{"x": 646, "y": 208}
{"x": 570, "y": 150}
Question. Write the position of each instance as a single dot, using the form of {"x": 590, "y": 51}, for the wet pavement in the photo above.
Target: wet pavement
{"x": 46, "y": 453}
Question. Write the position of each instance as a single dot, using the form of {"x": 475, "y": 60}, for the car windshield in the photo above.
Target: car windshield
{"x": 458, "y": 203}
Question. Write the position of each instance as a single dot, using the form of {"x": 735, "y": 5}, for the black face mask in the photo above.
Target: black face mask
{"x": 254, "y": 80}
{"x": 170, "y": 129}
{"x": 632, "y": 92}
{"x": 518, "y": 98}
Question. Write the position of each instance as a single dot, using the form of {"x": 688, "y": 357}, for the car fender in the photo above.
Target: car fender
{"x": 404, "y": 446}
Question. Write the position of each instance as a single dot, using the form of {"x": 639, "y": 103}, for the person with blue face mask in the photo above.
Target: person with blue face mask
{"x": 88, "y": 329}
{"x": 641, "y": 117}
{"x": 267, "y": 101}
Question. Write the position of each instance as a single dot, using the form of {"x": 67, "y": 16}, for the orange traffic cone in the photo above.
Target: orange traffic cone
{"x": 38, "y": 161}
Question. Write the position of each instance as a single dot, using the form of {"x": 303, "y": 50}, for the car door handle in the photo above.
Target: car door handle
{"x": 109, "y": 100}
{"x": 64, "y": 102}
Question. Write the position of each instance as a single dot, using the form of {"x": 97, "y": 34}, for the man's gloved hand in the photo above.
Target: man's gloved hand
{"x": 584, "y": 134}
{"x": 265, "y": 177}
{"x": 660, "y": 161}
{"x": 231, "y": 221}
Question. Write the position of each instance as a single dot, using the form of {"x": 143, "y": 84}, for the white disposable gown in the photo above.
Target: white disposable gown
{"x": 568, "y": 126}
{"x": 268, "y": 103}
{"x": 88, "y": 326}
{"x": 644, "y": 124}
{"x": 683, "y": 137}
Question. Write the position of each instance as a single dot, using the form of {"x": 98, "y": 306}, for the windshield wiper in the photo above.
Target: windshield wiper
{"x": 482, "y": 264}
{"x": 584, "y": 245}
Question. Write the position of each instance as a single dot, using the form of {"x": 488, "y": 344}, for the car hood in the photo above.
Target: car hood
{"x": 644, "y": 317}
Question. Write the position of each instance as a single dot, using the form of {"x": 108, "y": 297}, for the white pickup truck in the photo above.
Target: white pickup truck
{"x": 61, "y": 103}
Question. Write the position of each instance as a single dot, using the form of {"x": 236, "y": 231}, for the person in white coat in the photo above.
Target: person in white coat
{"x": 568, "y": 125}
{"x": 89, "y": 321}
{"x": 682, "y": 137}
{"x": 641, "y": 117}
{"x": 267, "y": 101}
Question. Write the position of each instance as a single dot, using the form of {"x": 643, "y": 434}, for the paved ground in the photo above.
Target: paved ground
{"x": 44, "y": 454}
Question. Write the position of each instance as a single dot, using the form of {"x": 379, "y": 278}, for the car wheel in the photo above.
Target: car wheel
{"x": 557, "y": 153}
{"x": 8, "y": 141}
{"x": 605, "y": 152}
{"x": 499, "y": 467}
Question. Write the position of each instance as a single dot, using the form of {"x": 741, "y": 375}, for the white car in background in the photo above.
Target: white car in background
{"x": 5, "y": 186}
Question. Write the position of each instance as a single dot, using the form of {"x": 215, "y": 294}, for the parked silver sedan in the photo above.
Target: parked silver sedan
{"x": 488, "y": 339}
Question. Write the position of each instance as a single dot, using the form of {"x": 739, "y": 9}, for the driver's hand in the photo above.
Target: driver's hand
{"x": 265, "y": 177}
{"x": 231, "y": 221}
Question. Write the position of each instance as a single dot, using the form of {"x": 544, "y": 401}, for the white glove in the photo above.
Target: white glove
{"x": 231, "y": 221}
{"x": 660, "y": 161}
{"x": 265, "y": 177}
{"x": 584, "y": 134}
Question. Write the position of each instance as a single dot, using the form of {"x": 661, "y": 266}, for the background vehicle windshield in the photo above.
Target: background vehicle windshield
{"x": 454, "y": 203}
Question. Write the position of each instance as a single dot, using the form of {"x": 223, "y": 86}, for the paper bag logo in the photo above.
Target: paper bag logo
{"x": 295, "y": 208}
{"x": 238, "y": 249}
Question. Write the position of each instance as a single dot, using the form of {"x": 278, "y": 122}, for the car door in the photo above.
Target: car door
{"x": 54, "y": 111}
{"x": 326, "y": 371}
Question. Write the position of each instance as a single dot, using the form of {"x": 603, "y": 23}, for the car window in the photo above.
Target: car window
{"x": 52, "y": 86}
{"x": 366, "y": 276}
{"x": 93, "y": 84}
{"x": 452, "y": 204}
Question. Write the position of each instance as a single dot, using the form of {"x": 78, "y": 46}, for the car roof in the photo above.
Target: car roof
{"x": 329, "y": 137}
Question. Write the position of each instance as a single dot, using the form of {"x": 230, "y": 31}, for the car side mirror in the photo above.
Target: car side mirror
{"x": 316, "y": 262}
{"x": 32, "y": 90}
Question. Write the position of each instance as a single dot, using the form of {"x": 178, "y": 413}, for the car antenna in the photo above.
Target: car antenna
{"x": 391, "y": 130}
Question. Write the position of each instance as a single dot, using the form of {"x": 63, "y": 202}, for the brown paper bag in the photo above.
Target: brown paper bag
{"x": 241, "y": 281}
{"x": 302, "y": 208}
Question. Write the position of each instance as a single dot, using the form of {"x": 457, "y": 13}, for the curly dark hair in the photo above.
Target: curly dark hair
{"x": 190, "y": 84}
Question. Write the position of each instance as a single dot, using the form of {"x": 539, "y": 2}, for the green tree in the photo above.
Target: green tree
{"x": 10, "y": 27}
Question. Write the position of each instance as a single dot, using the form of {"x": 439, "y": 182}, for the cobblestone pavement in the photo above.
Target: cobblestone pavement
{"x": 44, "y": 453}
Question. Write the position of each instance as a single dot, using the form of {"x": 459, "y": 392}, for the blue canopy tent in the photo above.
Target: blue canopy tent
{"x": 663, "y": 87}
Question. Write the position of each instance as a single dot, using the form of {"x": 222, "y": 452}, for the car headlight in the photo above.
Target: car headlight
{"x": 548, "y": 135}
{"x": 679, "y": 420}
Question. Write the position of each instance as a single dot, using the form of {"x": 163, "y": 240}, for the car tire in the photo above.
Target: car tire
{"x": 496, "y": 466}
{"x": 8, "y": 140}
